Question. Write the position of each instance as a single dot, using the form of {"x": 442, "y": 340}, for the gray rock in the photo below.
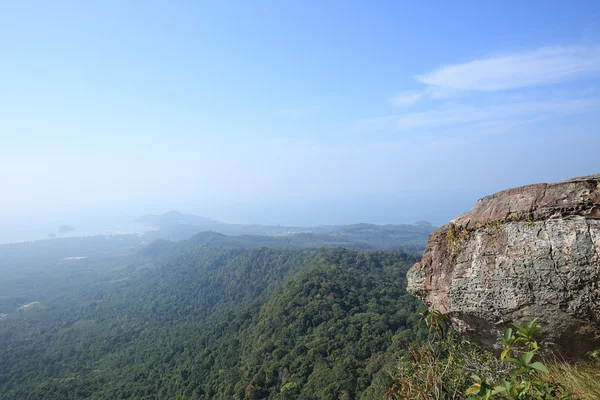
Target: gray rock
{"x": 518, "y": 254}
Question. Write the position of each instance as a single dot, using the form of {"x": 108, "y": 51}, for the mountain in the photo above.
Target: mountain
{"x": 43, "y": 269}
{"x": 317, "y": 315}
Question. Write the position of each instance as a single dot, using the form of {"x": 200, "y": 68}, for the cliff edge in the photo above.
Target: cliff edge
{"x": 518, "y": 254}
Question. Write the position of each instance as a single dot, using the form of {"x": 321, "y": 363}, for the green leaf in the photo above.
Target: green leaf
{"x": 533, "y": 322}
{"x": 539, "y": 366}
{"x": 526, "y": 357}
{"x": 475, "y": 388}
{"x": 499, "y": 389}
{"x": 534, "y": 344}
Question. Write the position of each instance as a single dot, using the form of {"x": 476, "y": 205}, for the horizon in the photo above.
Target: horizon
{"x": 296, "y": 114}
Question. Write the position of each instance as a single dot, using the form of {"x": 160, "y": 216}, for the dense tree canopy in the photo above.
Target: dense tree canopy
{"x": 194, "y": 321}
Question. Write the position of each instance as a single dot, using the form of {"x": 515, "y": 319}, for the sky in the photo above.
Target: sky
{"x": 291, "y": 112}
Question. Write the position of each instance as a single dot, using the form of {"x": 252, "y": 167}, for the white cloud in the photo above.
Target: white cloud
{"x": 491, "y": 117}
{"x": 406, "y": 99}
{"x": 466, "y": 114}
{"x": 519, "y": 70}
{"x": 478, "y": 106}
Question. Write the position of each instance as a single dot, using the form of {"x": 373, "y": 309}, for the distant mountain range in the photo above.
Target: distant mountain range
{"x": 174, "y": 225}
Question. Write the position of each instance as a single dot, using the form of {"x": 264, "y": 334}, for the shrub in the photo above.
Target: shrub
{"x": 528, "y": 377}
{"x": 439, "y": 366}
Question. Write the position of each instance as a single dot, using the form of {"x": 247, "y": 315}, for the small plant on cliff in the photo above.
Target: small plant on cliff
{"x": 528, "y": 377}
{"x": 452, "y": 240}
{"x": 495, "y": 223}
{"x": 595, "y": 355}
{"x": 454, "y": 236}
{"x": 438, "y": 367}
{"x": 529, "y": 220}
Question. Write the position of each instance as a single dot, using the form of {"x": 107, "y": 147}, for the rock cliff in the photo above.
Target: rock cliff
{"x": 520, "y": 253}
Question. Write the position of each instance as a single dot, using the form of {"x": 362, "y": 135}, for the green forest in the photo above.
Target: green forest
{"x": 215, "y": 319}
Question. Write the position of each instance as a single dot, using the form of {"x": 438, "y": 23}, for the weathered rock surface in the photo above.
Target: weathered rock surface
{"x": 520, "y": 253}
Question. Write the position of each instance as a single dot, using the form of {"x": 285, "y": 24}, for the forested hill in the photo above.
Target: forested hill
{"x": 41, "y": 270}
{"x": 192, "y": 321}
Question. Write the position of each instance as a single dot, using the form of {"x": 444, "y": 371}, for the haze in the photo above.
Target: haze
{"x": 295, "y": 113}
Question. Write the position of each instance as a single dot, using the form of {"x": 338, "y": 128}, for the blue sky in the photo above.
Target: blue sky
{"x": 293, "y": 112}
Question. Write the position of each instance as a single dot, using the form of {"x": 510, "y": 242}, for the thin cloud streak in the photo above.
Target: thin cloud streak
{"x": 463, "y": 115}
{"x": 543, "y": 66}
{"x": 406, "y": 99}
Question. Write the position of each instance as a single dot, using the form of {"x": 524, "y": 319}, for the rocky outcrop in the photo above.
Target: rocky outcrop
{"x": 518, "y": 254}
